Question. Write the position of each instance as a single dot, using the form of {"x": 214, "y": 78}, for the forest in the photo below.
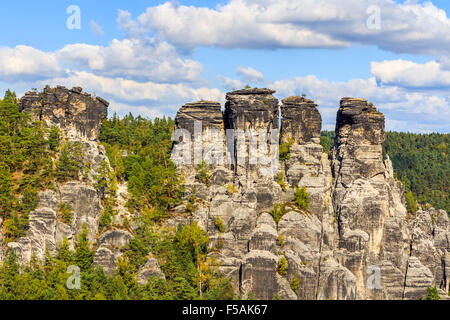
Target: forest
{"x": 34, "y": 157}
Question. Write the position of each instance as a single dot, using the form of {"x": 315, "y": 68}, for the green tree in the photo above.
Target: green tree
{"x": 411, "y": 205}
{"x": 54, "y": 138}
{"x": 301, "y": 198}
{"x": 83, "y": 256}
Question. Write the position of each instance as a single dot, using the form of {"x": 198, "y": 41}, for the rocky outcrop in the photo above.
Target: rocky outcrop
{"x": 109, "y": 247}
{"x": 79, "y": 116}
{"x": 46, "y": 227}
{"x": 301, "y": 121}
{"x": 355, "y": 241}
{"x": 150, "y": 269}
{"x": 77, "y": 113}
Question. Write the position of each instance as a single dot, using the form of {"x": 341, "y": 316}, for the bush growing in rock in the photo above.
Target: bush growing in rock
{"x": 65, "y": 211}
{"x": 282, "y": 266}
{"x": 295, "y": 284}
{"x": 203, "y": 173}
{"x": 301, "y": 198}
{"x": 219, "y": 224}
{"x": 278, "y": 212}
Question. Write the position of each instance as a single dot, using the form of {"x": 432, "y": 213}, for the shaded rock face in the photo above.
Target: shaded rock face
{"x": 149, "y": 270}
{"x": 77, "y": 113}
{"x": 251, "y": 109}
{"x": 356, "y": 241}
{"x": 108, "y": 248}
{"x": 301, "y": 121}
{"x": 46, "y": 228}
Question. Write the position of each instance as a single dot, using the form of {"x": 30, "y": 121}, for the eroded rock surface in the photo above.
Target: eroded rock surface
{"x": 356, "y": 240}
{"x": 77, "y": 113}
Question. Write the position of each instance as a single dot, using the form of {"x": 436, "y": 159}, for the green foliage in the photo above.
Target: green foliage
{"x": 281, "y": 182}
{"x": 105, "y": 180}
{"x": 84, "y": 256}
{"x": 295, "y": 284}
{"x": 421, "y": 162}
{"x": 203, "y": 173}
{"x": 106, "y": 218}
{"x": 432, "y": 294}
{"x": 219, "y": 225}
{"x": 281, "y": 240}
{"x": 277, "y": 212}
{"x": 301, "y": 198}
{"x": 69, "y": 162}
{"x": 25, "y": 166}
{"x": 285, "y": 150}
{"x": 139, "y": 151}
{"x": 65, "y": 212}
{"x": 282, "y": 266}
{"x": 327, "y": 140}
{"x": 411, "y": 205}
{"x": 54, "y": 138}
{"x": 231, "y": 189}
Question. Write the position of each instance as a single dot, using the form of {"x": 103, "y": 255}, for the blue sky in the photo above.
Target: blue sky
{"x": 151, "y": 57}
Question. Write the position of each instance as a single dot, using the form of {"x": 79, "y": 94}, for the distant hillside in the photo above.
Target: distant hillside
{"x": 421, "y": 162}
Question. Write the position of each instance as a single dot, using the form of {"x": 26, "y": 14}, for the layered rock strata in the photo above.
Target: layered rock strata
{"x": 77, "y": 113}
{"x": 355, "y": 241}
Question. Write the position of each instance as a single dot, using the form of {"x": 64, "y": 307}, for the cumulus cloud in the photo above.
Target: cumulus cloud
{"x": 409, "y": 74}
{"x": 27, "y": 63}
{"x": 123, "y": 109}
{"x": 247, "y": 76}
{"x": 250, "y": 75}
{"x": 232, "y": 25}
{"x": 417, "y": 28}
{"x": 139, "y": 59}
{"x": 168, "y": 97}
{"x": 230, "y": 84}
{"x": 422, "y": 111}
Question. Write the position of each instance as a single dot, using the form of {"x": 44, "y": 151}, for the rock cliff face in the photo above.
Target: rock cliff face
{"x": 77, "y": 113}
{"x": 79, "y": 116}
{"x": 356, "y": 240}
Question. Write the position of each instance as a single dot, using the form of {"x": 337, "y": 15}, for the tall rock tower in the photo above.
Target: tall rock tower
{"x": 355, "y": 240}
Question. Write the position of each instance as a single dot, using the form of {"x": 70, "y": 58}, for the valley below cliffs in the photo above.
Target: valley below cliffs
{"x": 285, "y": 221}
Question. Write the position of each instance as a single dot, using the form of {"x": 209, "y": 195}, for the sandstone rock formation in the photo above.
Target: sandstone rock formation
{"x": 79, "y": 116}
{"x": 77, "y": 113}
{"x": 356, "y": 241}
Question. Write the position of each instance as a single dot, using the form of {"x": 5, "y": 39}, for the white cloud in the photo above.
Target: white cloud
{"x": 230, "y": 84}
{"x": 247, "y": 76}
{"x": 167, "y": 97}
{"x": 123, "y": 109}
{"x": 421, "y": 111}
{"x": 232, "y": 25}
{"x": 410, "y": 74}
{"x": 24, "y": 62}
{"x": 138, "y": 59}
{"x": 250, "y": 75}
{"x": 417, "y": 28}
